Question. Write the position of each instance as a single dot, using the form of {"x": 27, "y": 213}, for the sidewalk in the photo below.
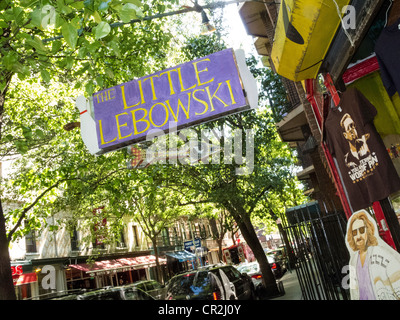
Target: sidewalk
{"x": 291, "y": 286}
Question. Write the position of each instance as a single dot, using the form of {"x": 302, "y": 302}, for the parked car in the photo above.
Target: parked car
{"x": 59, "y": 295}
{"x": 151, "y": 287}
{"x": 283, "y": 257}
{"x": 116, "y": 293}
{"x": 71, "y": 296}
{"x": 253, "y": 269}
{"x": 279, "y": 255}
{"x": 215, "y": 282}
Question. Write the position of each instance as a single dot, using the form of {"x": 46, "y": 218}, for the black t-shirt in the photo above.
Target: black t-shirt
{"x": 387, "y": 49}
{"x": 367, "y": 171}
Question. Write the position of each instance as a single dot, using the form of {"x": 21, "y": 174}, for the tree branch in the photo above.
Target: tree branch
{"x": 25, "y": 211}
{"x": 195, "y": 202}
{"x": 258, "y": 198}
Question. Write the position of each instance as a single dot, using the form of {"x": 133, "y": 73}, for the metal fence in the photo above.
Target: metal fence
{"x": 320, "y": 253}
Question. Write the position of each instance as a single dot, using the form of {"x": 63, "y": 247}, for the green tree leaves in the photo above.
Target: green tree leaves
{"x": 102, "y": 30}
{"x": 70, "y": 34}
{"x": 51, "y": 52}
{"x": 130, "y": 11}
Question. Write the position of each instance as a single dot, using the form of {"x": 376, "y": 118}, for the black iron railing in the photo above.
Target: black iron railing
{"x": 320, "y": 252}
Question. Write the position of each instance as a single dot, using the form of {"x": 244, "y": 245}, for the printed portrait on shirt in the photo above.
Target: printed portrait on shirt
{"x": 367, "y": 172}
{"x": 359, "y": 159}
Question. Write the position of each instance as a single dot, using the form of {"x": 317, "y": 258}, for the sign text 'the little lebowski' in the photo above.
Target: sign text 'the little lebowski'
{"x": 188, "y": 94}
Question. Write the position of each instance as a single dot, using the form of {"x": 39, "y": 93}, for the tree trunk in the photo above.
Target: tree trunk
{"x": 7, "y": 291}
{"x": 233, "y": 238}
{"x": 249, "y": 234}
{"x": 217, "y": 236}
{"x": 289, "y": 250}
{"x": 220, "y": 256}
{"x": 242, "y": 219}
{"x": 159, "y": 277}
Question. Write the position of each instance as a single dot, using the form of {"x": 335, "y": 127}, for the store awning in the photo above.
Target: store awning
{"x": 304, "y": 31}
{"x": 24, "y": 278}
{"x": 181, "y": 255}
{"x": 118, "y": 265}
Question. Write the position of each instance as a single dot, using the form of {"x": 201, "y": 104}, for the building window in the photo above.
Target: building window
{"x": 74, "y": 240}
{"x": 203, "y": 232}
{"x": 165, "y": 237}
{"x": 98, "y": 245}
{"x": 30, "y": 241}
{"x": 197, "y": 232}
{"x": 210, "y": 234}
{"x": 176, "y": 239}
{"x": 121, "y": 240}
{"x": 100, "y": 231}
{"x": 183, "y": 231}
{"x": 135, "y": 236}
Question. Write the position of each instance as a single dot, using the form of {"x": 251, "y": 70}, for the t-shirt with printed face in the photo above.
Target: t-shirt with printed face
{"x": 367, "y": 171}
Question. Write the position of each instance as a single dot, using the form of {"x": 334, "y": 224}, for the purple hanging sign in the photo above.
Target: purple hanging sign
{"x": 188, "y": 94}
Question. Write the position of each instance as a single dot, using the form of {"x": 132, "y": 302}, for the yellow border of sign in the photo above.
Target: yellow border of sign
{"x": 304, "y": 32}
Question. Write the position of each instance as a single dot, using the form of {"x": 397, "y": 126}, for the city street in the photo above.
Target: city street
{"x": 199, "y": 150}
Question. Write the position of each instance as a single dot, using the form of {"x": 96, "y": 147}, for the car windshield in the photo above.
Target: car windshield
{"x": 132, "y": 293}
{"x": 276, "y": 252}
{"x": 271, "y": 259}
{"x": 248, "y": 268}
{"x": 192, "y": 283}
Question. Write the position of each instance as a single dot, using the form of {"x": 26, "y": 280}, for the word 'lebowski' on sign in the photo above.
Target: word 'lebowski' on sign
{"x": 192, "y": 104}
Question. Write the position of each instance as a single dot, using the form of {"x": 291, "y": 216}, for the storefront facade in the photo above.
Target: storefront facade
{"x": 327, "y": 52}
{"x": 48, "y": 263}
{"x": 376, "y": 178}
{"x": 113, "y": 272}
{"x": 25, "y": 280}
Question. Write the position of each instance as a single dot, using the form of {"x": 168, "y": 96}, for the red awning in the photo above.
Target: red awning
{"x": 118, "y": 265}
{"x": 24, "y": 278}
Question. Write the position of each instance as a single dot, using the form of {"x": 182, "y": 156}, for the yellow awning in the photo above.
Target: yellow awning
{"x": 304, "y": 32}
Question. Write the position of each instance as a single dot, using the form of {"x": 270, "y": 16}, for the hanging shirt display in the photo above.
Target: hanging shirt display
{"x": 366, "y": 168}
{"x": 387, "y": 49}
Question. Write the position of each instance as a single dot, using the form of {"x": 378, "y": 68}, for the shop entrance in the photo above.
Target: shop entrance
{"x": 78, "y": 279}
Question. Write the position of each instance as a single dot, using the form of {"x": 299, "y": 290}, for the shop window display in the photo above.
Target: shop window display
{"x": 387, "y": 49}
{"x": 367, "y": 75}
{"x": 359, "y": 150}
